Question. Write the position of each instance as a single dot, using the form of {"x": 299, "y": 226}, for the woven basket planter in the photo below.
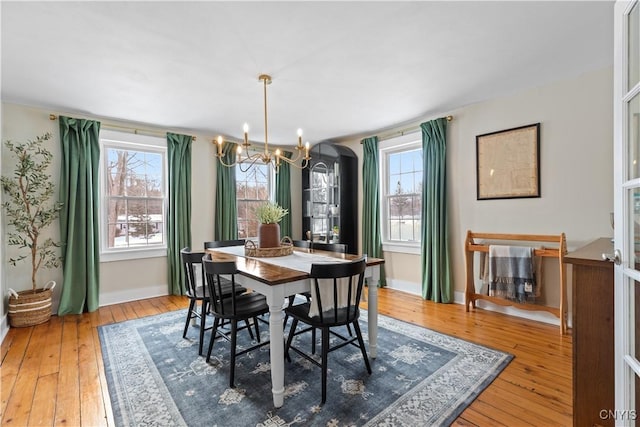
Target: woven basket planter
{"x": 285, "y": 248}
{"x": 27, "y": 308}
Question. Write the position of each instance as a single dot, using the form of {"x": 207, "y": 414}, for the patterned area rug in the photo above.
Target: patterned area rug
{"x": 420, "y": 378}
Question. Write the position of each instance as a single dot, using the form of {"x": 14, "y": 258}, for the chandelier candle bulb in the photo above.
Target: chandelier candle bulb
{"x": 299, "y": 137}
{"x": 306, "y": 151}
{"x": 245, "y": 129}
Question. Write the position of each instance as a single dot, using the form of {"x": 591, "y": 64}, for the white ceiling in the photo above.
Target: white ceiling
{"x": 340, "y": 69}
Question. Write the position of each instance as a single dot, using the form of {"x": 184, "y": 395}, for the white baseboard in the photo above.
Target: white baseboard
{"x": 4, "y": 327}
{"x": 110, "y": 298}
{"x": 538, "y": 316}
{"x": 106, "y": 298}
{"x": 404, "y": 286}
{"x": 458, "y": 298}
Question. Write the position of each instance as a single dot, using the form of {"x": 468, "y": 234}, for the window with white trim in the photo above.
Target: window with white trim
{"x": 253, "y": 188}
{"x": 401, "y": 167}
{"x": 134, "y": 196}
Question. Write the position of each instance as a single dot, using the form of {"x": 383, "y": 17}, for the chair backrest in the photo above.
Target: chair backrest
{"x": 331, "y": 247}
{"x": 340, "y": 286}
{"x": 223, "y": 243}
{"x": 217, "y": 298}
{"x": 301, "y": 243}
{"x": 191, "y": 261}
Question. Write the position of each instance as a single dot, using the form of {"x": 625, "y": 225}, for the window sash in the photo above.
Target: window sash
{"x": 247, "y": 223}
{"x": 151, "y": 241}
{"x": 401, "y": 213}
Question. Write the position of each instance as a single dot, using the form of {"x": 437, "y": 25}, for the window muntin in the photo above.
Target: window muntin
{"x": 253, "y": 188}
{"x": 134, "y": 193}
{"x": 402, "y": 172}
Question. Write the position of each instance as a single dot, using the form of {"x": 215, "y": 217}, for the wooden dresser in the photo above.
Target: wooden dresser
{"x": 592, "y": 323}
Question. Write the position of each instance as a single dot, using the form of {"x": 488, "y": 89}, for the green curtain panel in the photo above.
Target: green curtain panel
{"x": 283, "y": 194}
{"x": 79, "y": 217}
{"x": 371, "y": 235}
{"x": 179, "y": 215}
{"x": 436, "y": 270}
{"x": 226, "y": 212}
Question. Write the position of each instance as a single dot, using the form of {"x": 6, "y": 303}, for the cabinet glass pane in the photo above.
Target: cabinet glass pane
{"x": 319, "y": 229}
{"x": 634, "y": 46}
{"x": 634, "y": 137}
{"x": 319, "y": 178}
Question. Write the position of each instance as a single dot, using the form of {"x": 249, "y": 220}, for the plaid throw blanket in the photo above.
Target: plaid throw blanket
{"x": 511, "y": 272}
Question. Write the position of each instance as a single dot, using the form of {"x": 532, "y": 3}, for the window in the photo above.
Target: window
{"x": 401, "y": 189}
{"x": 253, "y": 188}
{"x": 133, "y": 182}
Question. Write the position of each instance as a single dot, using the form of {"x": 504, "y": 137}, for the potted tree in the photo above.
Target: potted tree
{"x": 29, "y": 209}
{"x": 269, "y": 215}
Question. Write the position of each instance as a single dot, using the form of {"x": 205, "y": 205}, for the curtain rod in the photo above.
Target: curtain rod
{"x": 136, "y": 131}
{"x": 404, "y": 131}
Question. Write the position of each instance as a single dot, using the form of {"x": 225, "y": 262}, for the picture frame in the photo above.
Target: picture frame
{"x": 508, "y": 163}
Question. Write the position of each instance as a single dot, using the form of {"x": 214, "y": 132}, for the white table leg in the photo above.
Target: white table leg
{"x": 276, "y": 346}
{"x": 372, "y": 311}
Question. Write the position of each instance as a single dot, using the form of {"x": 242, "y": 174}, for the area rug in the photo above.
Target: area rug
{"x": 420, "y": 378}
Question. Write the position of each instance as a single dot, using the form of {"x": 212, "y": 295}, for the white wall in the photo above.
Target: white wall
{"x": 576, "y": 182}
{"x": 576, "y": 167}
{"x": 120, "y": 280}
{"x": 20, "y": 125}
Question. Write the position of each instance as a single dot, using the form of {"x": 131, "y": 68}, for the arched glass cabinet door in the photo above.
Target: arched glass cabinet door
{"x": 317, "y": 205}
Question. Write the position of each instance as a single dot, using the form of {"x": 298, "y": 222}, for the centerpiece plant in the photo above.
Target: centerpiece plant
{"x": 30, "y": 209}
{"x": 269, "y": 215}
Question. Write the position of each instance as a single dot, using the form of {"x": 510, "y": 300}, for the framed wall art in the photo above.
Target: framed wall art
{"x": 508, "y": 163}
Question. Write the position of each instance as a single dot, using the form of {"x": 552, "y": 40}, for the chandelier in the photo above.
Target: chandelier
{"x": 243, "y": 157}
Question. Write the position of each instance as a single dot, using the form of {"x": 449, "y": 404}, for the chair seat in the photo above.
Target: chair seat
{"x": 202, "y": 292}
{"x": 301, "y": 312}
{"x": 247, "y": 305}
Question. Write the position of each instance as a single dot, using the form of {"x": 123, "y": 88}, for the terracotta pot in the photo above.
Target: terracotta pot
{"x": 269, "y": 235}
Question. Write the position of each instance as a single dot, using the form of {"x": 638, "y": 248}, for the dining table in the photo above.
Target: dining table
{"x": 279, "y": 277}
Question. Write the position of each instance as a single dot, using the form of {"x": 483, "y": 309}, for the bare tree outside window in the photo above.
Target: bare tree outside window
{"x": 252, "y": 190}
{"x": 404, "y": 198}
{"x": 135, "y": 197}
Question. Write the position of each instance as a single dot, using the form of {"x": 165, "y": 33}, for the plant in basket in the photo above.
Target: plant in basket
{"x": 269, "y": 215}
{"x": 30, "y": 209}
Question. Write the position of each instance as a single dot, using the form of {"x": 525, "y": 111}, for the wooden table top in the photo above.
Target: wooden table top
{"x": 271, "y": 274}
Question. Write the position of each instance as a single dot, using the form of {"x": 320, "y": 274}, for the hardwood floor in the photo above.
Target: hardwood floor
{"x": 53, "y": 374}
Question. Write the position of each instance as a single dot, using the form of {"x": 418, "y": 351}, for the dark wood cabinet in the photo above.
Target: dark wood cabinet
{"x": 593, "y": 332}
{"x": 330, "y": 196}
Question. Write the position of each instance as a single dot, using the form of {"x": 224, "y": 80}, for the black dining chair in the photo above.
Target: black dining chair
{"x": 337, "y": 279}
{"x": 223, "y": 243}
{"x": 301, "y": 243}
{"x": 196, "y": 291}
{"x": 235, "y": 307}
{"x": 331, "y": 247}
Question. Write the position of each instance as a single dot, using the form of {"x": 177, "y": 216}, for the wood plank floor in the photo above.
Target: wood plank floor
{"x": 53, "y": 374}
